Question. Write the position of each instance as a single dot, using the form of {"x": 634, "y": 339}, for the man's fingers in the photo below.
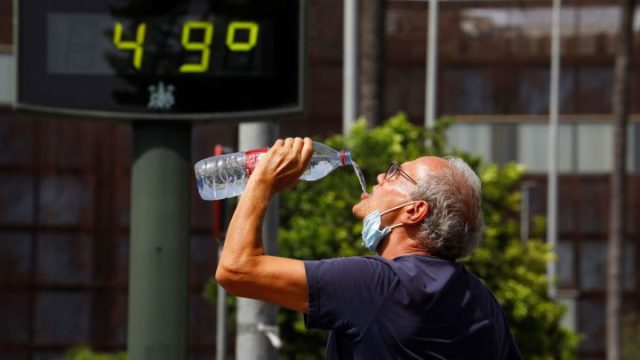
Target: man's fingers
{"x": 297, "y": 146}
{"x": 296, "y": 150}
{"x": 307, "y": 151}
{"x": 288, "y": 142}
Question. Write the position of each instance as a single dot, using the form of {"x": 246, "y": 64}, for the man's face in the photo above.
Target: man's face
{"x": 392, "y": 187}
{"x": 396, "y": 189}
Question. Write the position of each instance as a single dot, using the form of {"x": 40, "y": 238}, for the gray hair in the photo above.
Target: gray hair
{"x": 454, "y": 223}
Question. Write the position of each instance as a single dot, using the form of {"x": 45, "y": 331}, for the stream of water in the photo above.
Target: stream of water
{"x": 358, "y": 172}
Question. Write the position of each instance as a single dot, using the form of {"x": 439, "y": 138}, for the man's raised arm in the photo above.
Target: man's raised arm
{"x": 244, "y": 269}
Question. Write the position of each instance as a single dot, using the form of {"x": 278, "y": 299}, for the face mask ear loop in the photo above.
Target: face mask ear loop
{"x": 391, "y": 227}
{"x": 398, "y": 207}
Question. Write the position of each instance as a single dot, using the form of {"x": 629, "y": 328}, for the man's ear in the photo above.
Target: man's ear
{"x": 416, "y": 213}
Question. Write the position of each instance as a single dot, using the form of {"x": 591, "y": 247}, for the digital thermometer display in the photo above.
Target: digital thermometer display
{"x": 162, "y": 58}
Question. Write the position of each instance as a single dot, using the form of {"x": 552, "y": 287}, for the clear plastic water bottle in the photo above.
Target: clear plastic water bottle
{"x": 225, "y": 176}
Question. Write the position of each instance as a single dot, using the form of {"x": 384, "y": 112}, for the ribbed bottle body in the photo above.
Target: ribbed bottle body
{"x": 221, "y": 177}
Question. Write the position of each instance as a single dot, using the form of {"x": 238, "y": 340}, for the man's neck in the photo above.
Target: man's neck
{"x": 399, "y": 245}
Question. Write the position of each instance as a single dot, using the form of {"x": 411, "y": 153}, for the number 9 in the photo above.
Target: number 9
{"x": 197, "y": 46}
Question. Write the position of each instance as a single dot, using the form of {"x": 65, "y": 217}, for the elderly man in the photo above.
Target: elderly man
{"x": 413, "y": 301}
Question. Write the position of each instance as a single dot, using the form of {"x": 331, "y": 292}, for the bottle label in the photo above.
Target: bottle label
{"x": 252, "y": 157}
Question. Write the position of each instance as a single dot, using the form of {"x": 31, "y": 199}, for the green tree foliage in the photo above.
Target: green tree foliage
{"x": 316, "y": 223}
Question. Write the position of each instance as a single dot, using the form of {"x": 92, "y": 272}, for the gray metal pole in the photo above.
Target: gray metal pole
{"x": 221, "y": 319}
{"x": 554, "y": 109}
{"x": 257, "y": 334}
{"x": 350, "y": 66}
{"x": 525, "y": 209}
{"x": 222, "y": 316}
{"x": 159, "y": 267}
{"x": 432, "y": 52}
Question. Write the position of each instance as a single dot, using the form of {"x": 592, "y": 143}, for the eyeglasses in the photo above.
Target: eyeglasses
{"x": 395, "y": 169}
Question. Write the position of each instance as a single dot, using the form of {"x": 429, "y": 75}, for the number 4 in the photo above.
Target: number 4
{"x": 135, "y": 46}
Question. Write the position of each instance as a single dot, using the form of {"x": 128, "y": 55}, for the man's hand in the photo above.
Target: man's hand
{"x": 281, "y": 167}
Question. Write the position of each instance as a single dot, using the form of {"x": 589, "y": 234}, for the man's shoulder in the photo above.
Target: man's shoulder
{"x": 426, "y": 267}
{"x": 358, "y": 264}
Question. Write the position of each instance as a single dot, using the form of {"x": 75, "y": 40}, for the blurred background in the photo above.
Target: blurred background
{"x": 65, "y": 188}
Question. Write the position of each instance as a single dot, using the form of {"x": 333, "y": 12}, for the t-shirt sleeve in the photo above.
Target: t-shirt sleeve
{"x": 345, "y": 293}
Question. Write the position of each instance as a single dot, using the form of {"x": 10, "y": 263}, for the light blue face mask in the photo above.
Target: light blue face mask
{"x": 371, "y": 233}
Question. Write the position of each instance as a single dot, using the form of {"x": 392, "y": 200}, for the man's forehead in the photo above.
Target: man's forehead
{"x": 424, "y": 165}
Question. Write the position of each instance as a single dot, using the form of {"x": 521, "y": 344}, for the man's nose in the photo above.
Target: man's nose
{"x": 380, "y": 178}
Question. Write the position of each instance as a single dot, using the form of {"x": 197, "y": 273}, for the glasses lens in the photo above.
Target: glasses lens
{"x": 391, "y": 171}
{"x": 394, "y": 169}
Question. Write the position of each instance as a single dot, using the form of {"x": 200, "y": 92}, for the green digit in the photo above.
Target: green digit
{"x": 203, "y": 46}
{"x": 250, "y": 26}
{"x": 135, "y": 46}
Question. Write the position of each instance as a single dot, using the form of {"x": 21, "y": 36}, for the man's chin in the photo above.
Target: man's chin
{"x": 358, "y": 210}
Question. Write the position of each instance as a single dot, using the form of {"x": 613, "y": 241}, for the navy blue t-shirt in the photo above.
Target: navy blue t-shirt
{"x": 412, "y": 307}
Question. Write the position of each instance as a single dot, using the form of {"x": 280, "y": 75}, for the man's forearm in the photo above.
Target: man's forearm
{"x": 243, "y": 243}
